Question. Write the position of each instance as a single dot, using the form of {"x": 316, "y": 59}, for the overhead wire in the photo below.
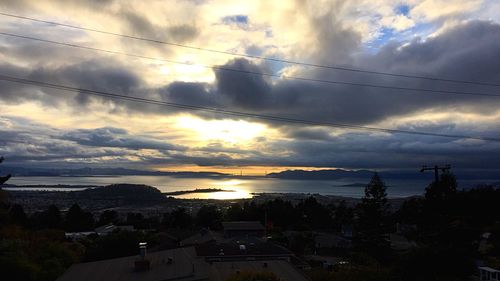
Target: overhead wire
{"x": 242, "y": 71}
{"x": 232, "y": 112}
{"x": 332, "y": 67}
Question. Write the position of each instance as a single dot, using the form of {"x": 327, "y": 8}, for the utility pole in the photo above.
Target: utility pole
{"x": 436, "y": 169}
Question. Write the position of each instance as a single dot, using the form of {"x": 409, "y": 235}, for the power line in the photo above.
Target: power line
{"x": 223, "y": 68}
{"x": 333, "y": 67}
{"x": 233, "y": 113}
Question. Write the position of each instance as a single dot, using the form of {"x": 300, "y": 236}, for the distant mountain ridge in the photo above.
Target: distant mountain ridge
{"x": 336, "y": 174}
{"x": 321, "y": 174}
{"x": 327, "y": 174}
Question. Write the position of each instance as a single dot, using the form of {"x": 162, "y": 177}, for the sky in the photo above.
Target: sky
{"x": 450, "y": 39}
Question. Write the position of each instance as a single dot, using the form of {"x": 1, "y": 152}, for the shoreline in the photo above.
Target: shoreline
{"x": 63, "y": 187}
{"x": 255, "y": 195}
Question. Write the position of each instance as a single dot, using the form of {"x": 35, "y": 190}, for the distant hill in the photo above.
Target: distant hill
{"x": 133, "y": 193}
{"x": 366, "y": 174}
{"x": 321, "y": 174}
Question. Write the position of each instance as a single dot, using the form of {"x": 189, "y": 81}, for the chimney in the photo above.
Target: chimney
{"x": 142, "y": 264}
{"x": 142, "y": 248}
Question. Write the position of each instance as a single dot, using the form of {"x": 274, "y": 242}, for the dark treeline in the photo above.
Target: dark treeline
{"x": 446, "y": 226}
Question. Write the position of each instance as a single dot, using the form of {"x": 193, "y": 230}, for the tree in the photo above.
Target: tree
{"x": 372, "y": 215}
{"x": 50, "y": 218}
{"x": 314, "y": 214}
{"x": 135, "y": 219}
{"x": 17, "y": 215}
{"x": 78, "y": 220}
{"x": 281, "y": 213}
{"x": 234, "y": 212}
{"x": 3, "y": 195}
{"x": 375, "y": 193}
{"x": 4, "y": 178}
{"x": 108, "y": 216}
{"x": 179, "y": 218}
{"x": 445, "y": 187}
{"x": 343, "y": 215}
{"x": 209, "y": 216}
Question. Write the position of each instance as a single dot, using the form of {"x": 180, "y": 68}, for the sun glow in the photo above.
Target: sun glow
{"x": 228, "y": 131}
{"x": 230, "y": 189}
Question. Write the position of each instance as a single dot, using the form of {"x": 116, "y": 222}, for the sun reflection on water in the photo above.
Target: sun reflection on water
{"x": 233, "y": 189}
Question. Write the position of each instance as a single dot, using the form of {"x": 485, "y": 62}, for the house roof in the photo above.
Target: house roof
{"x": 252, "y": 246}
{"x": 184, "y": 259}
{"x": 489, "y": 269}
{"x": 181, "y": 269}
{"x": 200, "y": 238}
{"x": 243, "y": 225}
{"x": 282, "y": 269}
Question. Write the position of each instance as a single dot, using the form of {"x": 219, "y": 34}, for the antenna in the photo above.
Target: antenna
{"x": 436, "y": 169}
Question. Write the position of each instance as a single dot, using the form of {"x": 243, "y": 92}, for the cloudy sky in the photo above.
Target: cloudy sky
{"x": 451, "y": 39}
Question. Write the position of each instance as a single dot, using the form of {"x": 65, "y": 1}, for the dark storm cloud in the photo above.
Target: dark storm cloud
{"x": 307, "y": 133}
{"x": 183, "y": 32}
{"x": 93, "y": 74}
{"x": 98, "y": 75}
{"x": 116, "y": 137}
{"x": 35, "y": 142}
{"x": 240, "y": 90}
{"x": 140, "y": 24}
{"x": 467, "y": 52}
{"x": 199, "y": 94}
{"x": 334, "y": 43}
{"x": 25, "y": 142}
{"x": 369, "y": 150}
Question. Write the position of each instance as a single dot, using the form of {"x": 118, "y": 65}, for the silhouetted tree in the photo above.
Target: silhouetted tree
{"x": 209, "y": 216}
{"x": 342, "y": 215}
{"x": 252, "y": 211}
{"x": 4, "y": 178}
{"x": 117, "y": 244}
{"x": 50, "y": 218}
{"x": 108, "y": 216}
{"x": 179, "y": 218}
{"x": 281, "y": 213}
{"x": 372, "y": 215}
{"x": 314, "y": 214}
{"x": 135, "y": 219}
{"x": 445, "y": 187}
{"x": 17, "y": 215}
{"x": 78, "y": 220}
{"x": 234, "y": 212}
{"x": 3, "y": 195}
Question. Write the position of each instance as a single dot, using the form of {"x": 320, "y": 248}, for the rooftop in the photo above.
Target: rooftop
{"x": 185, "y": 266}
{"x": 201, "y": 237}
{"x": 282, "y": 269}
{"x": 242, "y": 246}
{"x": 242, "y": 225}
